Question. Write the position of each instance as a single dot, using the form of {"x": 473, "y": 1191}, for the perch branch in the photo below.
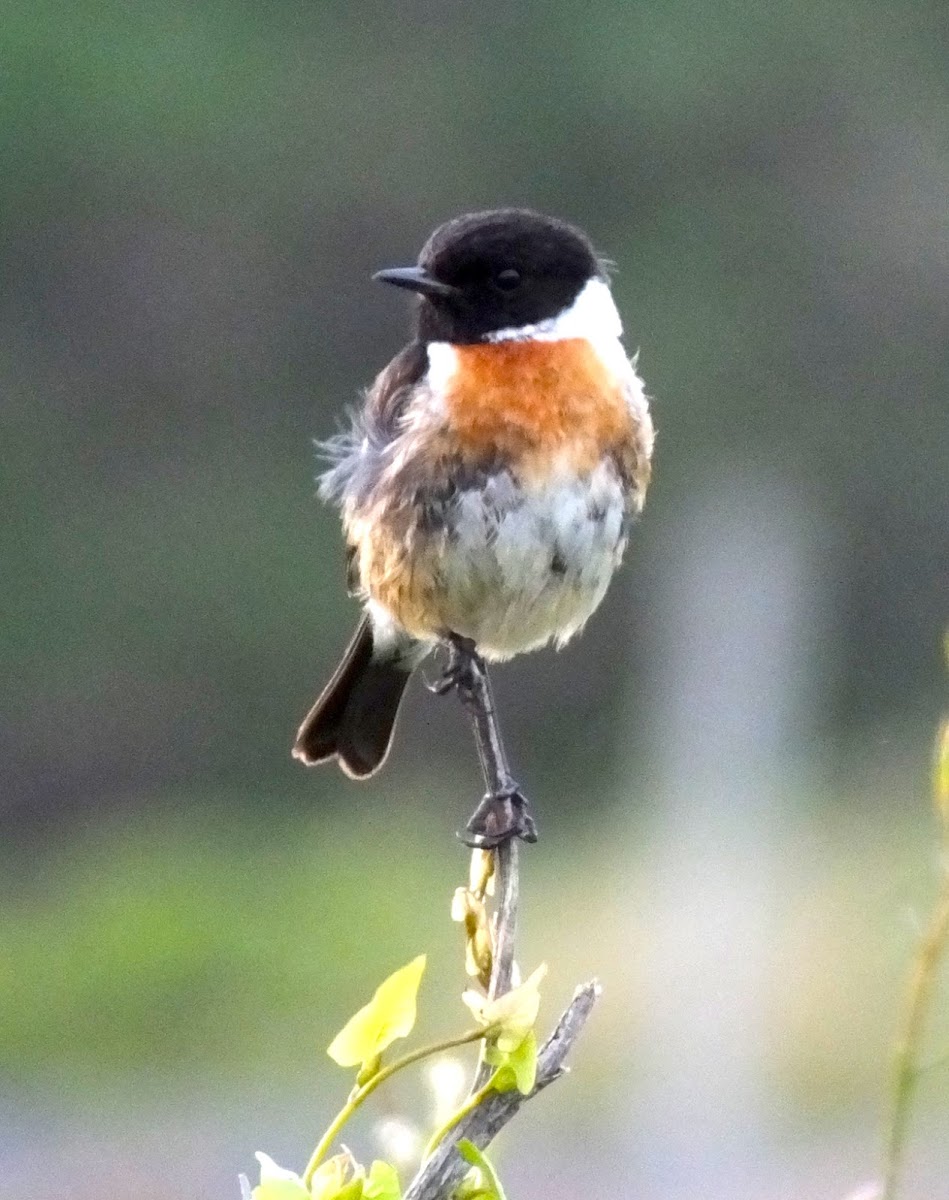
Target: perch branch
{"x": 507, "y": 891}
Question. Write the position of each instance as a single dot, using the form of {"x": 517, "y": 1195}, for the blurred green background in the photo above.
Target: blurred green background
{"x": 729, "y": 770}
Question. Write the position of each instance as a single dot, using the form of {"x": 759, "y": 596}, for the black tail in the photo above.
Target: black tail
{"x": 354, "y": 718}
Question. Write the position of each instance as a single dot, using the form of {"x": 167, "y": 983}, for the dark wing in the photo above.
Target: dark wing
{"x": 389, "y": 395}
{"x": 355, "y": 455}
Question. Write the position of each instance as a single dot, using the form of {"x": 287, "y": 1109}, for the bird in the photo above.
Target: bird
{"x": 487, "y": 484}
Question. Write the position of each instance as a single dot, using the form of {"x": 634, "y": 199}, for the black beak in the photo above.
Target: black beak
{"x": 416, "y": 279}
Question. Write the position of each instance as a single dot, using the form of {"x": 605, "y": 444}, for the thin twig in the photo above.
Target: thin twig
{"x": 907, "y": 1069}
{"x": 441, "y": 1173}
{"x": 507, "y": 893}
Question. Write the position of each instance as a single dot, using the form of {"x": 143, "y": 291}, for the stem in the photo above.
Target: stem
{"x": 363, "y": 1093}
{"x": 906, "y": 1068}
{"x": 441, "y": 1133}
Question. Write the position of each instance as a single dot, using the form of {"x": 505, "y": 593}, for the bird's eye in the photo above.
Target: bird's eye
{"x": 508, "y": 279}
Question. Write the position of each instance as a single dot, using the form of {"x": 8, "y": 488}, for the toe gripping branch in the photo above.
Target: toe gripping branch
{"x": 503, "y": 812}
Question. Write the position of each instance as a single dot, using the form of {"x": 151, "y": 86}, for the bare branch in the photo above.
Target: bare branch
{"x": 507, "y": 892}
{"x": 443, "y": 1171}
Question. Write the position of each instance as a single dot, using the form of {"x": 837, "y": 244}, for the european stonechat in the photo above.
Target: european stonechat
{"x": 489, "y": 481}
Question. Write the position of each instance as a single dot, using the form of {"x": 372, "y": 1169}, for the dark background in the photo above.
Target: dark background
{"x": 729, "y": 769}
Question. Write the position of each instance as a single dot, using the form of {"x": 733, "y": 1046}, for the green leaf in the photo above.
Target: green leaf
{"x": 510, "y": 1017}
{"x": 354, "y": 1190}
{"x": 389, "y": 1015}
{"x": 369, "y": 1068}
{"x": 504, "y": 1079}
{"x": 483, "y": 1180}
{"x": 472, "y": 1187}
{"x": 516, "y": 1068}
{"x": 329, "y": 1180}
{"x": 383, "y": 1182}
{"x": 276, "y": 1183}
{"x": 329, "y": 1177}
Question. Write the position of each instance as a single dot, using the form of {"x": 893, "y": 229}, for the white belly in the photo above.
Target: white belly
{"x": 520, "y": 566}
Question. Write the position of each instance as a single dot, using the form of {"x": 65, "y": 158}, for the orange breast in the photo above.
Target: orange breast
{"x": 526, "y": 401}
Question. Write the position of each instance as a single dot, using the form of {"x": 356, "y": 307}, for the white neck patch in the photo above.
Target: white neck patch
{"x": 592, "y": 316}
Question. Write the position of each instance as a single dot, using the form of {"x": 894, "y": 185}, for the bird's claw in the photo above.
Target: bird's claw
{"x": 500, "y": 816}
{"x": 460, "y": 673}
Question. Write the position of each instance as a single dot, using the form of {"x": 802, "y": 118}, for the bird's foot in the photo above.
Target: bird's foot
{"x": 501, "y": 815}
{"x": 462, "y": 671}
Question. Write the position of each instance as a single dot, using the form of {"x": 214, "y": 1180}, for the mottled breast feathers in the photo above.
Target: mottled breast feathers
{"x": 522, "y": 429}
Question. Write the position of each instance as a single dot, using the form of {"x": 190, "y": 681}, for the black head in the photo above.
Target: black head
{"x": 496, "y": 270}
